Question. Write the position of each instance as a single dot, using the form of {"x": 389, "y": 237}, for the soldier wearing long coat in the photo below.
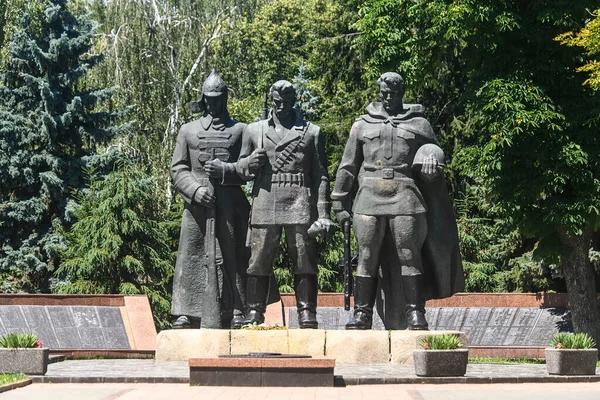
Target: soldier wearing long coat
{"x": 210, "y": 296}
{"x": 403, "y": 219}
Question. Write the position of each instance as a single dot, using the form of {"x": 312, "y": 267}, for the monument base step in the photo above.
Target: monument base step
{"x": 346, "y": 347}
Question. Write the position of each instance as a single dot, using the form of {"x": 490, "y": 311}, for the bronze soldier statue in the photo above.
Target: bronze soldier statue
{"x": 402, "y": 215}
{"x": 285, "y": 157}
{"x": 210, "y": 272}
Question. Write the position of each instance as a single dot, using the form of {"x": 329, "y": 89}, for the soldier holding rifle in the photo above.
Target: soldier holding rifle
{"x": 210, "y": 272}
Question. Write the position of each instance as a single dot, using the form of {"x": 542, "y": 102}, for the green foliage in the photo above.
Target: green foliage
{"x": 49, "y": 130}
{"x": 6, "y": 379}
{"x": 446, "y": 341}
{"x": 572, "y": 341}
{"x": 119, "y": 243}
{"x": 589, "y": 39}
{"x": 19, "y": 341}
{"x": 523, "y": 360}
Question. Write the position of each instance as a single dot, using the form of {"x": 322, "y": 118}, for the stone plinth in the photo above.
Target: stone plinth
{"x": 307, "y": 341}
{"x": 183, "y": 344}
{"x": 261, "y": 371}
{"x": 245, "y": 341}
{"x": 347, "y": 347}
{"x": 358, "y": 347}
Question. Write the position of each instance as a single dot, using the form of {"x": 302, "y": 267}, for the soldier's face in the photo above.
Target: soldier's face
{"x": 283, "y": 105}
{"x": 391, "y": 97}
{"x": 214, "y": 104}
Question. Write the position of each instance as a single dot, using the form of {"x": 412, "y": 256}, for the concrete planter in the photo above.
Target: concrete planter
{"x": 571, "y": 361}
{"x": 441, "y": 362}
{"x": 26, "y": 361}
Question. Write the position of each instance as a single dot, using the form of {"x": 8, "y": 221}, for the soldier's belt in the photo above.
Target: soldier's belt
{"x": 289, "y": 179}
{"x": 385, "y": 173}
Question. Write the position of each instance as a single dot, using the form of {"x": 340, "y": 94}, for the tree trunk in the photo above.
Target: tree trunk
{"x": 581, "y": 285}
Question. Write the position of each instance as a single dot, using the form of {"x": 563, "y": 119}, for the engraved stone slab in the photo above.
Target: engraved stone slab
{"x": 68, "y": 327}
{"x": 113, "y": 329}
{"x": 522, "y": 326}
{"x": 450, "y": 319}
{"x": 38, "y": 321}
{"x": 64, "y": 326}
{"x": 431, "y": 314}
{"x": 549, "y": 322}
{"x": 475, "y": 324}
{"x": 13, "y": 319}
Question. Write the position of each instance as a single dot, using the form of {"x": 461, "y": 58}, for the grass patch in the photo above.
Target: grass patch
{"x": 6, "y": 379}
{"x": 522, "y": 360}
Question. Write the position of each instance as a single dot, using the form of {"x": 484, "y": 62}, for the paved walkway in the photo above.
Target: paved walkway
{"x": 150, "y": 371}
{"x": 114, "y": 391}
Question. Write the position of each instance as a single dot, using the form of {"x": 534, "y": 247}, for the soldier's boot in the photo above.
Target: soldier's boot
{"x": 238, "y": 320}
{"x": 306, "y": 287}
{"x": 182, "y": 322}
{"x": 185, "y": 322}
{"x": 256, "y": 292}
{"x": 365, "y": 290}
{"x": 414, "y": 295}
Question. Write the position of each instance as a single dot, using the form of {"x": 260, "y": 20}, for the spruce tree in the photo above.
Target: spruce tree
{"x": 49, "y": 131}
{"x": 120, "y": 243}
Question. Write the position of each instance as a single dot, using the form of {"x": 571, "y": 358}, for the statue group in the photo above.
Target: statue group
{"x": 401, "y": 213}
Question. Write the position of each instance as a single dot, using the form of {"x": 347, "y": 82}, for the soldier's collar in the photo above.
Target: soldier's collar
{"x": 218, "y": 124}
{"x": 378, "y": 114}
{"x": 299, "y": 124}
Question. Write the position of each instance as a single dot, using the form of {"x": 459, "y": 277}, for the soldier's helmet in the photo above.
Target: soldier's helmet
{"x": 214, "y": 85}
{"x": 427, "y": 150}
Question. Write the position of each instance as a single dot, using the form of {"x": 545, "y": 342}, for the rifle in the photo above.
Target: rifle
{"x": 265, "y": 108}
{"x": 348, "y": 286}
{"x": 211, "y": 313}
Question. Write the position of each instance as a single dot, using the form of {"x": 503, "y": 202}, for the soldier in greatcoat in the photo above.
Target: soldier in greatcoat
{"x": 285, "y": 157}
{"x": 403, "y": 219}
{"x": 210, "y": 296}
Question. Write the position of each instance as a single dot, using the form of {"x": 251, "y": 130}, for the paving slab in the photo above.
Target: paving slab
{"x": 527, "y": 391}
{"x": 150, "y": 371}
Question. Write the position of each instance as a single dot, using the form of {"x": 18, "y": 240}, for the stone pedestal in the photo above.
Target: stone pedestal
{"x": 346, "y": 347}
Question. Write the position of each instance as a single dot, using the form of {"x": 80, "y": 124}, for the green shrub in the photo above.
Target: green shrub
{"x": 572, "y": 341}
{"x": 20, "y": 340}
{"x": 447, "y": 341}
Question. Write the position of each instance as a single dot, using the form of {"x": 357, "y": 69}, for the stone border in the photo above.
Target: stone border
{"x": 338, "y": 380}
{"x": 15, "y": 385}
{"x": 471, "y": 380}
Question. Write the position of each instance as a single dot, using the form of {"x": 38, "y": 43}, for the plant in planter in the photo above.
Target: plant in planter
{"x": 23, "y": 352}
{"x": 440, "y": 355}
{"x": 571, "y": 354}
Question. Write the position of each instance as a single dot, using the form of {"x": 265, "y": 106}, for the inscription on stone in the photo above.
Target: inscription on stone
{"x": 475, "y": 324}
{"x": 522, "y": 327}
{"x": 451, "y": 318}
{"x": 64, "y": 326}
{"x": 39, "y": 323}
{"x": 113, "y": 330}
{"x": 13, "y": 319}
{"x": 68, "y": 327}
{"x": 432, "y": 316}
{"x": 549, "y": 322}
